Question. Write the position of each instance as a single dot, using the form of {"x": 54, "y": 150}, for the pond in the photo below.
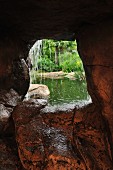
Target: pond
{"x": 64, "y": 90}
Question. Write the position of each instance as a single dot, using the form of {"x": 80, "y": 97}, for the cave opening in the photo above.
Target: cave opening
{"x": 57, "y": 73}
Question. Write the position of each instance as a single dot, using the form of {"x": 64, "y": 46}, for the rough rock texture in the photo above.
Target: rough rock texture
{"x": 86, "y": 143}
{"x": 10, "y": 50}
{"x": 8, "y": 100}
{"x": 15, "y": 75}
{"x": 75, "y": 139}
{"x": 95, "y": 47}
{"x": 20, "y": 77}
{"x": 14, "y": 72}
{"x": 45, "y": 139}
{"x": 90, "y": 135}
{"x": 14, "y": 83}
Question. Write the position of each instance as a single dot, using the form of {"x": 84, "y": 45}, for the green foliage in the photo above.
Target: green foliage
{"x": 45, "y": 64}
{"x": 59, "y": 55}
{"x": 70, "y": 62}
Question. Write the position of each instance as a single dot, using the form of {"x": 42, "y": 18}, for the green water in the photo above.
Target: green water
{"x": 64, "y": 90}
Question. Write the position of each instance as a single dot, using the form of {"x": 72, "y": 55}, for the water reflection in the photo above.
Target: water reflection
{"x": 64, "y": 90}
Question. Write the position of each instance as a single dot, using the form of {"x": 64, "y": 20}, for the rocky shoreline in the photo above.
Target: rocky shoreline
{"x": 54, "y": 75}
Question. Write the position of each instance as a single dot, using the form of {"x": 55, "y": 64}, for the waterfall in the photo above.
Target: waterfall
{"x": 54, "y": 65}
{"x": 50, "y": 57}
{"x": 35, "y": 53}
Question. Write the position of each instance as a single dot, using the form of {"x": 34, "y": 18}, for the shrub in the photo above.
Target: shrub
{"x": 70, "y": 62}
{"x": 57, "y": 55}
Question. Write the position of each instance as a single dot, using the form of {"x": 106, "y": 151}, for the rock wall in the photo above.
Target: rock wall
{"x": 95, "y": 45}
{"x": 32, "y": 20}
{"x": 71, "y": 139}
{"x": 79, "y": 139}
{"x": 14, "y": 83}
{"x": 12, "y": 65}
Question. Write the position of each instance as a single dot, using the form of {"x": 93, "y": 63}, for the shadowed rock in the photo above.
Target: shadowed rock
{"x": 8, "y": 100}
{"x": 9, "y": 159}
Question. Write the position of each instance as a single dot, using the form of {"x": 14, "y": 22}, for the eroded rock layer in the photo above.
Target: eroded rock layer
{"x": 95, "y": 47}
{"x": 78, "y": 140}
{"x": 44, "y": 140}
{"x": 75, "y": 139}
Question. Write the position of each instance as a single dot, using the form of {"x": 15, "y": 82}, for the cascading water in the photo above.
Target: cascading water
{"x": 49, "y": 58}
{"x": 34, "y": 54}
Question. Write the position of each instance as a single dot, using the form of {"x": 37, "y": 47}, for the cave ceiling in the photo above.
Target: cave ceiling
{"x": 57, "y": 19}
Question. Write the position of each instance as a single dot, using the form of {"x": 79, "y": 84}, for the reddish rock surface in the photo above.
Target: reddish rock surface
{"x": 90, "y": 137}
{"x": 75, "y": 139}
{"x": 87, "y": 142}
{"x": 45, "y": 139}
{"x": 97, "y": 56}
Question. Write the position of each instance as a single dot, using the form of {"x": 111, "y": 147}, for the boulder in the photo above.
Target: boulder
{"x": 8, "y": 100}
{"x": 20, "y": 77}
{"x": 38, "y": 91}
